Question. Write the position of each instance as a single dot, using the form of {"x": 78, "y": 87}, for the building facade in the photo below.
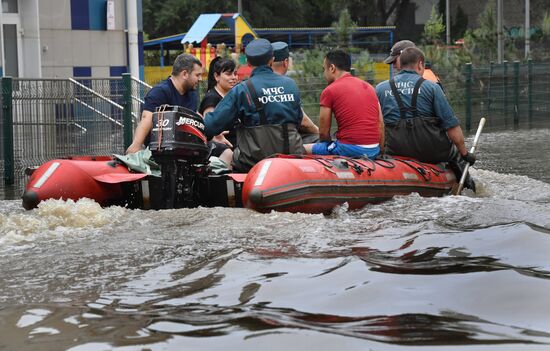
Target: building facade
{"x": 66, "y": 38}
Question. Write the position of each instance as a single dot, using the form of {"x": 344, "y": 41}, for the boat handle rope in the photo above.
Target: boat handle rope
{"x": 421, "y": 168}
{"x": 325, "y": 163}
{"x": 160, "y": 123}
{"x": 358, "y": 166}
{"x": 383, "y": 162}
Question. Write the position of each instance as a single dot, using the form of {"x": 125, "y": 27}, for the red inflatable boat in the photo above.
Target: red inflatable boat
{"x": 311, "y": 184}
{"x": 317, "y": 184}
{"x": 95, "y": 177}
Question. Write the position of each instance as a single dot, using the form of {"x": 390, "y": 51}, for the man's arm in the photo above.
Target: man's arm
{"x": 457, "y": 137}
{"x": 325, "y": 119}
{"x": 143, "y": 129}
{"x": 220, "y": 138}
{"x": 381, "y": 129}
{"x": 307, "y": 125}
{"x": 223, "y": 115}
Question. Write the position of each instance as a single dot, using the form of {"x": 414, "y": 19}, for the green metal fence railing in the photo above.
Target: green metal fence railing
{"x": 53, "y": 118}
{"x": 510, "y": 95}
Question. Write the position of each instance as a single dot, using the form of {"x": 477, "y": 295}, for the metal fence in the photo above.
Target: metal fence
{"x": 43, "y": 119}
{"x": 509, "y": 95}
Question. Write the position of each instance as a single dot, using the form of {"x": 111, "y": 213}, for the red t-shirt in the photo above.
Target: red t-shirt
{"x": 244, "y": 72}
{"x": 355, "y": 106}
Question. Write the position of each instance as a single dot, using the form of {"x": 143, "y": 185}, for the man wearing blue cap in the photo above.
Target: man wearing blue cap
{"x": 281, "y": 57}
{"x": 265, "y": 108}
{"x": 281, "y": 64}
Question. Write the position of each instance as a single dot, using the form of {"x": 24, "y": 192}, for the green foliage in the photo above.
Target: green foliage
{"x": 447, "y": 64}
{"x": 545, "y": 25}
{"x": 460, "y": 24}
{"x": 343, "y": 30}
{"x": 363, "y": 65}
{"x": 434, "y": 27}
{"x": 482, "y": 41}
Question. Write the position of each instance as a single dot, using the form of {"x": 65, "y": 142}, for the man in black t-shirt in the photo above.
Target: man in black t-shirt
{"x": 179, "y": 89}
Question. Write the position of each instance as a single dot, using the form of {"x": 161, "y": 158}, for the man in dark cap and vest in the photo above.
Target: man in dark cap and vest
{"x": 394, "y": 60}
{"x": 281, "y": 57}
{"x": 281, "y": 64}
{"x": 419, "y": 121}
{"x": 266, "y": 109}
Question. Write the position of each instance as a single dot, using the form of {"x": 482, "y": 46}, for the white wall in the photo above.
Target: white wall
{"x": 63, "y": 48}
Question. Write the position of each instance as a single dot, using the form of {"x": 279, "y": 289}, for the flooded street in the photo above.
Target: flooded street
{"x": 467, "y": 272}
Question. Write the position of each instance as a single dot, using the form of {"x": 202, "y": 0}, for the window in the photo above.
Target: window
{"x": 11, "y": 67}
{"x": 9, "y": 6}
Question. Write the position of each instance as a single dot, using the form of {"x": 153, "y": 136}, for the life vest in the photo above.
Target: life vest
{"x": 419, "y": 137}
{"x": 258, "y": 142}
{"x": 430, "y": 75}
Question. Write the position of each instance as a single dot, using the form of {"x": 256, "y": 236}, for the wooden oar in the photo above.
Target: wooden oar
{"x": 472, "y": 150}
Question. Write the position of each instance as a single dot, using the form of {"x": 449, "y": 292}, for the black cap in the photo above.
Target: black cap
{"x": 280, "y": 50}
{"x": 397, "y": 48}
{"x": 258, "y": 52}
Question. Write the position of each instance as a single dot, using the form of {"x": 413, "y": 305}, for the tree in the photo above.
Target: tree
{"x": 385, "y": 11}
{"x": 169, "y": 17}
{"x": 343, "y": 30}
{"x": 459, "y": 24}
{"x": 545, "y": 25}
{"x": 434, "y": 28}
{"x": 288, "y": 13}
{"x": 482, "y": 41}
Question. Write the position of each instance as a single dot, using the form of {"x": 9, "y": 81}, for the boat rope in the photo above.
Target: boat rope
{"x": 360, "y": 167}
{"x": 160, "y": 124}
{"x": 425, "y": 170}
{"x": 384, "y": 162}
{"x": 363, "y": 163}
{"x": 325, "y": 163}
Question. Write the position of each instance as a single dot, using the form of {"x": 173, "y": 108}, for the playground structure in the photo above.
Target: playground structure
{"x": 206, "y": 42}
{"x": 195, "y": 42}
{"x": 198, "y": 32}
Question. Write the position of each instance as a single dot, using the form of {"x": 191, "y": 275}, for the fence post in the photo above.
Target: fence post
{"x": 530, "y": 90}
{"x": 505, "y": 91}
{"x": 7, "y": 130}
{"x": 468, "y": 93}
{"x": 127, "y": 118}
{"x": 516, "y": 93}
{"x": 489, "y": 86}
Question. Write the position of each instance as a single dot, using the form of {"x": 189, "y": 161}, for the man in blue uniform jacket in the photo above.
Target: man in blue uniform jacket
{"x": 265, "y": 108}
{"x": 419, "y": 121}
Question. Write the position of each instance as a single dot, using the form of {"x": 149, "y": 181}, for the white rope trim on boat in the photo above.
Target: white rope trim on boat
{"x": 263, "y": 173}
{"x": 46, "y": 175}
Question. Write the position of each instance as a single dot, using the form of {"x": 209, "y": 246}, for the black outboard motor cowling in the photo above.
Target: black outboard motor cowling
{"x": 179, "y": 145}
{"x": 178, "y": 133}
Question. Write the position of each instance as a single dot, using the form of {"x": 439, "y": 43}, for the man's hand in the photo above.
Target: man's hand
{"x": 470, "y": 158}
{"x": 220, "y": 138}
{"x": 133, "y": 148}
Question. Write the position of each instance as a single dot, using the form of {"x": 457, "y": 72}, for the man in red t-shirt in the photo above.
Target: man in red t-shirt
{"x": 356, "y": 110}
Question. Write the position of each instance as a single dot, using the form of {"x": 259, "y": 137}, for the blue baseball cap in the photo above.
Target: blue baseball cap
{"x": 258, "y": 52}
{"x": 280, "y": 50}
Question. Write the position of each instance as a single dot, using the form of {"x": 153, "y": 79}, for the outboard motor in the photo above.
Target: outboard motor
{"x": 179, "y": 145}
